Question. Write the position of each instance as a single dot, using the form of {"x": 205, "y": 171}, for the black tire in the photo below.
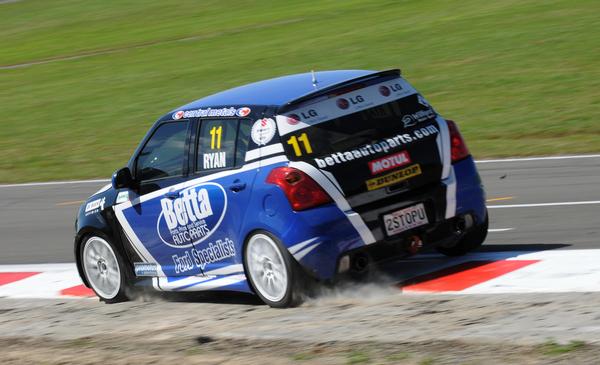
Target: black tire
{"x": 122, "y": 291}
{"x": 294, "y": 291}
{"x": 469, "y": 242}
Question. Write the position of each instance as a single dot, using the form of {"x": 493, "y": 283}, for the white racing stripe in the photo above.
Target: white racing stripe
{"x": 331, "y": 189}
{"x": 298, "y": 246}
{"x": 450, "y": 183}
{"x": 264, "y": 151}
{"x": 299, "y": 255}
{"x": 206, "y": 284}
{"x": 492, "y": 230}
{"x": 443, "y": 142}
{"x": 534, "y": 205}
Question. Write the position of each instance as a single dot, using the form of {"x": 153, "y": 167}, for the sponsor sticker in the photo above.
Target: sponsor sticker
{"x": 178, "y": 115}
{"x": 384, "y": 90}
{"x": 305, "y": 115}
{"x": 242, "y": 112}
{"x": 193, "y": 216}
{"x": 342, "y": 103}
{"x": 209, "y": 112}
{"x": 382, "y": 146}
{"x": 263, "y": 131}
{"x": 200, "y": 257}
{"x": 356, "y": 101}
{"x": 122, "y": 197}
{"x": 214, "y": 160}
{"x": 145, "y": 269}
{"x": 410, "y": 120}
{"x": 292, "y": 119}
{"x": 95, "y": 206}
{"x": 389, "y": 162}
{"x": 394, "y": 177}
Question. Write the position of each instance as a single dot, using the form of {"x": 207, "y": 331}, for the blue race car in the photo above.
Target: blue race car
{"x": 264, "y": 187}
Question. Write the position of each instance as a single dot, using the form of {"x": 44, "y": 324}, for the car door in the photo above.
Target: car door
{"x": 187, "y": 225}
{"x": 220, "y": 149}
{"x": 160, "y": 168}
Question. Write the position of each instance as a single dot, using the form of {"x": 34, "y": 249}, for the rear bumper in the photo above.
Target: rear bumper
{"x": 338, "y": 239}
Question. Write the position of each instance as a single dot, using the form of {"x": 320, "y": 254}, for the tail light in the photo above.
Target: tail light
{"x": 458, "y": 147}
{"x": 302, "y": 191}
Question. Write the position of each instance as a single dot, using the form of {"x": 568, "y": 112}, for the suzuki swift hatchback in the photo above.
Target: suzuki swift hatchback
{"x": 262, "y": 187}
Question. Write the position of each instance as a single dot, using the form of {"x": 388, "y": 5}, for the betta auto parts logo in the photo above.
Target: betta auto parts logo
{"x": 193, "y": 216}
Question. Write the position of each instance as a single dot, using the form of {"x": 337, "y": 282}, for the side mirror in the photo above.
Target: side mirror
{"x": 122, "y": 178}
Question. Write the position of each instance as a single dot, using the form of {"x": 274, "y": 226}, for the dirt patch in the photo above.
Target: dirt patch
{"x": 367, "y": 326}
{"x": 119, "y": 350}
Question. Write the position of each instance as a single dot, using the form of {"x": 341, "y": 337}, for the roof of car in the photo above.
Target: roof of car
{"x": 277, "y": 91}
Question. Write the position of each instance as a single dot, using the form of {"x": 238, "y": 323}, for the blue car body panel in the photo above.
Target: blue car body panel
{"x": 190, "y": 234}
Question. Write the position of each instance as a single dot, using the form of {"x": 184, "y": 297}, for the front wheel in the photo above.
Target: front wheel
{"x": 273, "y": 273}
{"x": 104, "y": 269}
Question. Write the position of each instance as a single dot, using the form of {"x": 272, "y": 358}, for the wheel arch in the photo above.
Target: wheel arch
{"x": 85, "y": 233}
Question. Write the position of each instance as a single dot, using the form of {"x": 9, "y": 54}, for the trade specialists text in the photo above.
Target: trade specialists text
{"x": 213, "y": 252}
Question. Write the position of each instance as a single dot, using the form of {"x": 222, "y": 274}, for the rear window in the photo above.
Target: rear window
{"x": 360, "y": 134}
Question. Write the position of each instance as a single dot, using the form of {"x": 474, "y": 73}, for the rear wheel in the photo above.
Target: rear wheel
{"x": 469, "y": 242}
{"x": 273, "y": 273}
{"x": 104, "y": 269}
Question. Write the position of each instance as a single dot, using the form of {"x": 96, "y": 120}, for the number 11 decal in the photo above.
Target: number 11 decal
{"x": 216, "y": 133}
{"x": 294, "y": 142}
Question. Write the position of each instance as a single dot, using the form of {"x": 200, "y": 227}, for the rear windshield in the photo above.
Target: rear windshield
{"x": 367, "y": 132}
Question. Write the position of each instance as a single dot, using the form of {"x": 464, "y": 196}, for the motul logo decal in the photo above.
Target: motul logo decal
{"x": 389, "y": 162}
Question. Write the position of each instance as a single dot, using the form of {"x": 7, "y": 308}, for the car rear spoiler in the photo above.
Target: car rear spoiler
{"x": 320, "y": 92}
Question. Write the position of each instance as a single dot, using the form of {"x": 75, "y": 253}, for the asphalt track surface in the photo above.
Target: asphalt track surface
{"x": 37, "y": 220}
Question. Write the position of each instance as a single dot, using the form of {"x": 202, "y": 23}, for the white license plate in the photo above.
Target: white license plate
{"x": 405, "y": 219}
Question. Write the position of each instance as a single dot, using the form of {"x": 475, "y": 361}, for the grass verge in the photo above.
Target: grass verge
{"x": 520, "y": 77}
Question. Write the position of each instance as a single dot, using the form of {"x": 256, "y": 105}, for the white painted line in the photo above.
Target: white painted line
{"x": 500, "y": 229}
{"x": 55, "y": 183}
{"x": 522, "y": 159}
{"x": 543, "y": 204}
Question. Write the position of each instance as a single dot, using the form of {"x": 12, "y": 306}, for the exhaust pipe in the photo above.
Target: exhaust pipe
{"x": 463, "y": 224}
{"x": 414, "y": 244}
{"x": 360, "y": 261}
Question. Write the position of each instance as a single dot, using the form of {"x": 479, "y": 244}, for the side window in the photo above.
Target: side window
{"x": 163, "y": 154}
{"x": 219, "y": 146}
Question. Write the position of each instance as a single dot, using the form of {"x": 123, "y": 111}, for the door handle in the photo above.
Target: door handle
{"x": 237, "y": 186}
{"x": 172, "y": 195}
